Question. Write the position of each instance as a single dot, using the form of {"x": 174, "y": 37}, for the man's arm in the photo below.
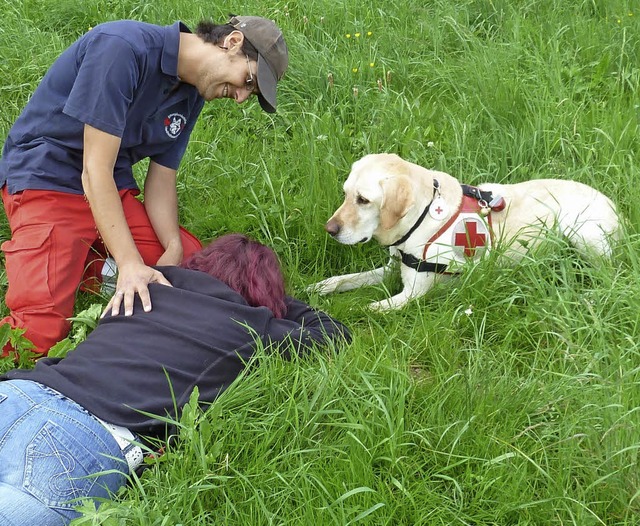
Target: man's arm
{"x": 100, "y": 153}
{"x": 161, "y": 204}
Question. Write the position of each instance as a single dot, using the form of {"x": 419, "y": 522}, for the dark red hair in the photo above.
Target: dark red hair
{"x": 248, "y": 267}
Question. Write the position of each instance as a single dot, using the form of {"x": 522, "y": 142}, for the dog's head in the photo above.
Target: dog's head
{"x": 380, "y": 190}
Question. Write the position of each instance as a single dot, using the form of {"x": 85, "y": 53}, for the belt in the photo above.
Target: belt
{"x": 125, "y": 439}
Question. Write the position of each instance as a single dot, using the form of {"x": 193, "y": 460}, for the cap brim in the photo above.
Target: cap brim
{"x": 267, "y": 83}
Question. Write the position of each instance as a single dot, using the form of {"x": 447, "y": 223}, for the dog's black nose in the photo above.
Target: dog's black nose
{"x": 333, "y": 227}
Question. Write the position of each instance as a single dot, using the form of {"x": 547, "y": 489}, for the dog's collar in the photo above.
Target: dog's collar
{"x": 436, "y": 188}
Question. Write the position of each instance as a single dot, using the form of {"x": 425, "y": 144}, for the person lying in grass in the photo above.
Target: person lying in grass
{"x": 70, "y": 427}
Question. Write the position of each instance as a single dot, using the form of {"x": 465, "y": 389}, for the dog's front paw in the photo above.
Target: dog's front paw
{"x": 393, "y": 303}
{"x": 381, "y": 306}
{"x": 324, "y": 287}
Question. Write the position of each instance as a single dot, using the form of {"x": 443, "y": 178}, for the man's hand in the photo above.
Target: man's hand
{"x": 134, "y": 279}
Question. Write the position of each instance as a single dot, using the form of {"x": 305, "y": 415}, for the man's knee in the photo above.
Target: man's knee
{"x": 43, "y": 328}
{"x": 190, "y": 243}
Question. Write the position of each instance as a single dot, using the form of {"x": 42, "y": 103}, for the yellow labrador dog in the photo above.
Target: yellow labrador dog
{"x": 434, "y": 225}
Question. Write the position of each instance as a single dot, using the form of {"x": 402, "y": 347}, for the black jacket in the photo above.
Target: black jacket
{"x": 199, "y": 333}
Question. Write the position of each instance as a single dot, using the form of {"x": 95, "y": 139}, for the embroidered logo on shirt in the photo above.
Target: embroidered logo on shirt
{"x": 174, "y": 124}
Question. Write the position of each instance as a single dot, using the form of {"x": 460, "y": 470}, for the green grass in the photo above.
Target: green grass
{"x": 509, "y": 396}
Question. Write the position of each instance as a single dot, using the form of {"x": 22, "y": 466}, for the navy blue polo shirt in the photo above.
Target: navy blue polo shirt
{"x": 121, "y": 78}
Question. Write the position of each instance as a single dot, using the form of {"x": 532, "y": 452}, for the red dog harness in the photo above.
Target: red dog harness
{"x": 466, "y": 235}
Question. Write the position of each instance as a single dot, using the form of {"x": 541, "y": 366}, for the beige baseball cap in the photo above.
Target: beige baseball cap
{"x": 273, "y": 55}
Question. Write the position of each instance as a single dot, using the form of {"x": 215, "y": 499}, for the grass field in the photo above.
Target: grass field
{"x": 508, "y": 397}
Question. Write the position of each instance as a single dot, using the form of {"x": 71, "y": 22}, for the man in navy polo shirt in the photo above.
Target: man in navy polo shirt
{"x": 123, "y": 92}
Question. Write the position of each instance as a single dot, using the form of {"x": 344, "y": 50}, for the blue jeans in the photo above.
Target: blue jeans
{"x": 51, "y": 452}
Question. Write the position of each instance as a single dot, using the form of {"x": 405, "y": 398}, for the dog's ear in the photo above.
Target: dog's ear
{"x": 397, "y": 198}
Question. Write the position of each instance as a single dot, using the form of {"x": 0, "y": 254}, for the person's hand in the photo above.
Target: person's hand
{"x": 134, "y": 278}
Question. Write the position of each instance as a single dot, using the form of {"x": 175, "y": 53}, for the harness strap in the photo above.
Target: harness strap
{"x": 420, "y": 265}
{"x": 466, "y": 202}
{"x": 413, "y": 228}
{"x": 496, "y": 203}
{"x": 474, "y": 191}
{"x": 436, "y": 188}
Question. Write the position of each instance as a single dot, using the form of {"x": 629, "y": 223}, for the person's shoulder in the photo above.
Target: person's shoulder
{"x": 132, "y": 31}
{"x": 182, "y": 274}
{"x": 193, "y": 280}
{"x": 199, "y": 283}
{"x": 116, "y": 27}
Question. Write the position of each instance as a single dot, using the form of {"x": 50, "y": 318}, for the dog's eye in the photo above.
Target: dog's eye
{"x": 361, "y": 200}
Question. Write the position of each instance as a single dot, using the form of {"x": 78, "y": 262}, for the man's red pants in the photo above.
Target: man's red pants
{"x": 55, "y": 248}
